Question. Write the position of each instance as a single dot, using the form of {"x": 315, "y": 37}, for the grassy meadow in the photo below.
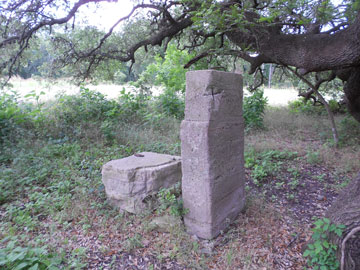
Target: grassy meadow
{"x": 53, "y": 208}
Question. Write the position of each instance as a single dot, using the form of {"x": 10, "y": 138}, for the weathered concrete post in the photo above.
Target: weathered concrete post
{"x": 212, "y": 150}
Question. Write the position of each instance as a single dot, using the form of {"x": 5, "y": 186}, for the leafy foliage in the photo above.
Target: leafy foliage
{"x": 308, "y": 107}
{"x": 89, "y": 105}
{"x": 172, "y": 104}
{"x": 266, "y": 163}
{"x": 14, "y": 114}
{"x": 10, "y": 114}
{"x": 321, "y": 253}
{"x": 14, "y": 257}
{"x": 169, "y": 73}
{"x": 254, "y": 109}
{"x": 53, "y": 168}
{"x": 169, "y": 199}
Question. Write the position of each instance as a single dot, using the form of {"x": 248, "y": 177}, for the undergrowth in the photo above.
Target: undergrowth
{"x": 321, "y": 253}
{"x": 51, "y": 156}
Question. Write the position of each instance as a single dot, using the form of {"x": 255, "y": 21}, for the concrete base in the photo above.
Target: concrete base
{"x": 130, "y": 180}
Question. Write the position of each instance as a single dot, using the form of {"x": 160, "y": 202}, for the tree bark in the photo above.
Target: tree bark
{"x": 346, "y": 211}
{"x": 311, "y": 52}
{"x": 352, "y": 92}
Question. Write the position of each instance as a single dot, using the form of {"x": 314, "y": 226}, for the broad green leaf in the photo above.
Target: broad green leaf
{"x": 21, "y": 266}
{"x": 34, "y": 267}
{"x": 16, "y": 256}
{"x": 307, "y": 253}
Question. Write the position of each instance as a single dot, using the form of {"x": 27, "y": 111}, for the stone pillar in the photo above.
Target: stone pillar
{"x": 212, "y": 150}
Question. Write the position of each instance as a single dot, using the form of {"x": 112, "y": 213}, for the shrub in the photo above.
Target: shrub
{"x": 11, "y": 115}
{"x": 172, "y": 104}
{"x": 169, "y": 72}
{"x": 132, "y": 105}
{"x": 254, "y": 109}
{"x": 335, "y": 107}
{"x": 306, "y": 107}
{"x": 89, "y": 105}
{"x": 70, "y": 115}
{"x": 16, "y": 116}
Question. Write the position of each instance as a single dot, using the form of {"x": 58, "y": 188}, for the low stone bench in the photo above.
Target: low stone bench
{"x": 128, "y": 181}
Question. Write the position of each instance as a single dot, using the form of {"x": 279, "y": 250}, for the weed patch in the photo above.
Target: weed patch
{"x": 266, "y": 163}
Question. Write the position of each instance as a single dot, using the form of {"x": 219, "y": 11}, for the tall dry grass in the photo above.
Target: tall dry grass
{"x": 309, "y": 134}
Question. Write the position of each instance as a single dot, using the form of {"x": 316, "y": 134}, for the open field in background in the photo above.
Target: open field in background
{"x": 56, "y": 87}
{"x": 51, "y": 195}
{"x": 276, "y": 97}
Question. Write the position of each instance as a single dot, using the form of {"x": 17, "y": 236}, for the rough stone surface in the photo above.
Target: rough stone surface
{"x": 128, "y": 181}
{"x": 213, "y": 96}
{"x": 212, "y": 149}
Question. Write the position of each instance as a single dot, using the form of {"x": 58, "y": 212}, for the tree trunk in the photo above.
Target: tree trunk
{"x": 346, "y": 211}
{"x": 352, "y": 93}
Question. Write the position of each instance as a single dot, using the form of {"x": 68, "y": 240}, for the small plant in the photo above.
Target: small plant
{"x": 229, "y": 257}
{"x": 294, "y": 171}
{"x": 320, "y": 177}
{"x": 77, "y": 258}
{"x": 294, "y": 183}
{"x": 265, "y": 163}
{"x": 321, "y": 254}
{"x": 313, "y": 157}
{"x": 168, "y": 200}
{"x": 259, "y": 173}
{"x": 290, "y": 196}
{"x": 279, "y": 185}
{"x": 134, "y": 242}
{"x": 195, "y": 246}
{"x": 32, "y": 258}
